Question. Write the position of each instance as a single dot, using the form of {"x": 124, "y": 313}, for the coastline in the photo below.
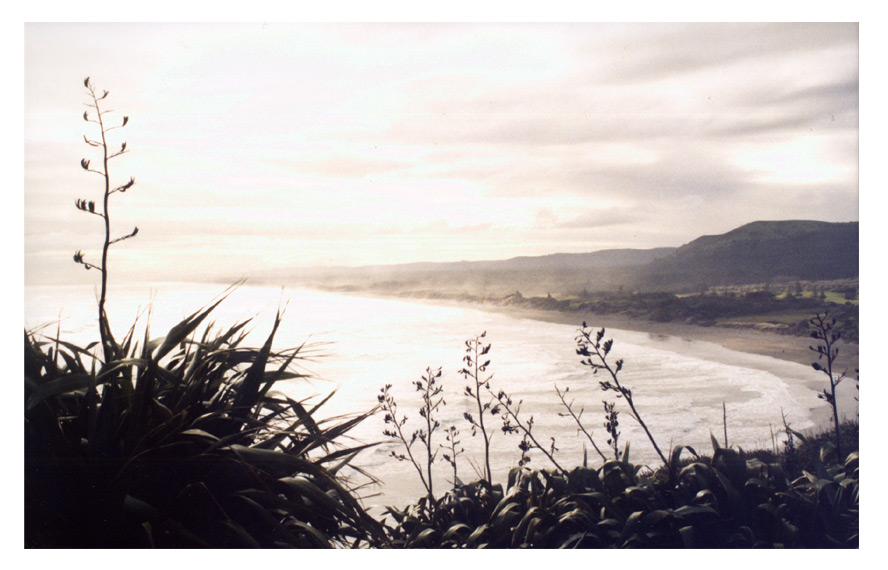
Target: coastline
{"x": 786, "y": 347}
{"x": 789, "y": 348}
{"x": 745, "y": 340}
{"x": 740, "y": 339}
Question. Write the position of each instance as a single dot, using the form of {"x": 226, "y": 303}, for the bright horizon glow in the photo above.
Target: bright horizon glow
{"x": 257, "y": 147}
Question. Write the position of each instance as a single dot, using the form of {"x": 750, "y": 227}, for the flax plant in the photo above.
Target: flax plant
{"x": 827, "y": 337}
{"x": 96, "y": 115}
{"x": 389, "y": 407}
{"x": 512, "y": 423}
{"x": 182, "y": 443}
{"x": 577, "y": 417}
{"x": 475, "y": 370}
{"x": 179, "y": 441}
{"x": 430, "y": 390}
{"x": 612, "y": 424}
{"x": 452, "y": 451}
{"x": 594, "y": 353}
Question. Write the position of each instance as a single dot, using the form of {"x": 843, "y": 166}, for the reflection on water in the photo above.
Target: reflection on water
{"x": 362, "y": 344}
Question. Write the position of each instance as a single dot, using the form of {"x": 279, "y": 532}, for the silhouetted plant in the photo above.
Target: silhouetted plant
{"x": 790, "y": 459}
{"x": 454, "y": 450}
{"x": 512, "y": 424}
{"x": 431, "y": 400}
{"x": 729, "y": 500}
{"x": 178, "y": 441}
{"x": 181, "y": 443}
{"x": 474, "y": 370}
{"x": 390, "y": 410}
{"x": 97, "y": 116}
{"x": 595, "y": 354}
{"x": 577, "y": 417}
{"x": 612, "y": 424}
{"x": 725, "y": 421}
{"x": 827, "y": 336}
{"x": 431, "y": 391}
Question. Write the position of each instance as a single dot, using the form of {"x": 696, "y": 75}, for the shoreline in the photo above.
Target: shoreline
{"x": 784, "y": 356}
{"x": 788, "y": 348}
{"x": 740, "y": 339}
{"x": 750, "y": 340}
{"x": 744, "y": 340}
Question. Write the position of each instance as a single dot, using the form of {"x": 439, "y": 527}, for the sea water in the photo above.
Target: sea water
{"x": 356, "y": 345}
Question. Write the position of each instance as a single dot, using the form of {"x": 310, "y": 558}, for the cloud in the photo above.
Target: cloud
{"x": 593, "y": 218}
{"x": 345, "y": 166}
{"x": 376, "y": 143}
{"x": 648, "y": 53}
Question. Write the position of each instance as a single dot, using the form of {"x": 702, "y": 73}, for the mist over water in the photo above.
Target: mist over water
{"x": 357, "y": 345}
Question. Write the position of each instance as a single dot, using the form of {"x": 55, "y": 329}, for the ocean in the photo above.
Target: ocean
{"x": 360, "y": 344}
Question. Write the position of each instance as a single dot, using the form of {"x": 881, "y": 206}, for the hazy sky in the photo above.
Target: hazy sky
{"x": 257, "y": 146}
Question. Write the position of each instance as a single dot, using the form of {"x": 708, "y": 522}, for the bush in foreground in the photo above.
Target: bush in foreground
{"x": 807, "y": 496}
{"x": 726, "y": 501}
{"x": 182, "y": 443}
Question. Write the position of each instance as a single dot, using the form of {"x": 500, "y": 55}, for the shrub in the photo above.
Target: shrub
{"x": 182, "y": 443}
{"x": 729, "y": 500}
{"x": 179, "y": 441}
{"x": 726, "y": 501}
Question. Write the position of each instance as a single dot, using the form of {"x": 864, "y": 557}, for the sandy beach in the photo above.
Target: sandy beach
{"x": 785, "y": 357}
{"x": 754, "y": 341}
{"x": 787, "y": 348}
{"x": 741, "y": 339}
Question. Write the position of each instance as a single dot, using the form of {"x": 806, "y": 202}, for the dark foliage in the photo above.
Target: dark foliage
{"x": 727, "y": 501}
{"x": 805, "y": 497}
{"x": 181, "y": 443}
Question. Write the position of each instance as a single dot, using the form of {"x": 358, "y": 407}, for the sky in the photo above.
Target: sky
{"x": 264, "y": 146}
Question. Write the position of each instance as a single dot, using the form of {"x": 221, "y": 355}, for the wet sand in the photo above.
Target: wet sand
{"x": 788, "y": 348}
{"x": 741, "y": 339}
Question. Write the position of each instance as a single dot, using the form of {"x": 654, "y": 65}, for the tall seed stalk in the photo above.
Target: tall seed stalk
{"x": 590, "y": 348}
{"x": 390, "y": 410}
{"x": 474, "y": 370}
{"x": 577, "y": 417}
{"x": 109, "y": 345}
{"x": 824, "y": 332}
{"x": 525, "y": 428}
{"x": 612, "y": 424}
{"x": 451, "y": 435}
{"x": 431, "y": 400}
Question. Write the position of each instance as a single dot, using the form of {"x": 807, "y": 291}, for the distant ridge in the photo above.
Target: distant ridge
{"x": 758, "y": 252}
{"x": 596, "y": 259}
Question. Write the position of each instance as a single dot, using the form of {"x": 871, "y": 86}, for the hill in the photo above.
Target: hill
{"x": 758, "y": 252}
{"x": 560, "y": 272}
{"x": 593, "y": 260}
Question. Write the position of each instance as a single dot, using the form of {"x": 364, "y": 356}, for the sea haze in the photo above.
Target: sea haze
{"x": 359, "y": 344}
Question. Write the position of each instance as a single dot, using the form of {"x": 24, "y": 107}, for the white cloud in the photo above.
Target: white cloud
{"x": 340, "y": 140}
